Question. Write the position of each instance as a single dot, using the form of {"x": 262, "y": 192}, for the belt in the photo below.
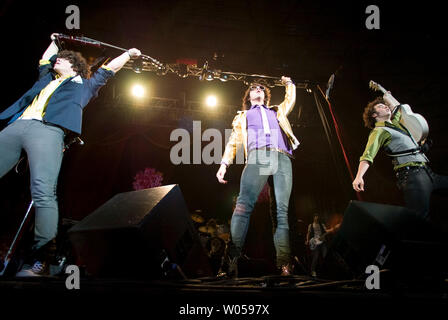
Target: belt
{"x": 276, "y": 149}
{"x": 53, "y": 125}
{"x": 411, "y": 168}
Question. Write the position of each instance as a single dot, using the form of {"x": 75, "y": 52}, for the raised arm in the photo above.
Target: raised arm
{"x": 46, "y": 63}
{"x": 391, "y": 102}
{"x": 116, "y": 64}
{"x": 290, "y": 96}
{"x": 52, "y": 48}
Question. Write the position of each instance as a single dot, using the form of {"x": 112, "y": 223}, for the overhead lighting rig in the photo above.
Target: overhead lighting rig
{"x": 183, "y": 70}
{"x": 204, "y": 73}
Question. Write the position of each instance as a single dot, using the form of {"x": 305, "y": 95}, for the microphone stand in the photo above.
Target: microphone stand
{"x": 16, "y": 237}
{"x": 99, "y": 44}
{"x": 193, "y": 71}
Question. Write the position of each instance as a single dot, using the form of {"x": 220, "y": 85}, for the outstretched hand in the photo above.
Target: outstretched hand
{"x": 358, "y": 184}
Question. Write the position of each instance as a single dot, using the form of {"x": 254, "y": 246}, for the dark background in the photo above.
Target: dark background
{"x": 306, "y": 40}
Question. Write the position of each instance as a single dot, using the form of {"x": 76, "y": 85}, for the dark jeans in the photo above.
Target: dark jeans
{"x": 320, "y": 250}
{"x": 417, "y": 184}
{"x": 262, "y": 164}
{"x": 44, "y": 147}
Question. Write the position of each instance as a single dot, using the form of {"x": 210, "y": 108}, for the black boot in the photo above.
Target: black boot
{"x": 230, "y": 261}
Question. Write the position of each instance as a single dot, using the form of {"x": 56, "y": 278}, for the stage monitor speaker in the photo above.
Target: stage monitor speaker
{"x": 390, "y": 237}
{"x": 135, "y": 233}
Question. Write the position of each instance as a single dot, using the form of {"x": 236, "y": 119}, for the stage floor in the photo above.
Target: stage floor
{"x": 268, "y": 297}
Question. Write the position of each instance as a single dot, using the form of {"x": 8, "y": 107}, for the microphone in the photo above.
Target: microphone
{"x": 80, "y": 141}
{"x": 329, "y": 86}
{"x": 77, "y": 140}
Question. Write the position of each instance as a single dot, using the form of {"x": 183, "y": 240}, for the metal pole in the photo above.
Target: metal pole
{"x": 13, "y": 244}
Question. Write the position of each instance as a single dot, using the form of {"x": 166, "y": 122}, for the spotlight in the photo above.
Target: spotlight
{"x": 224, "y": 77}
{"x": 211, "y": 101}
{"x": 309, "y": 90}
{"x": 138, "y": 91}
{"x": 209, "y": 76}
{"x": 137, "y": 65}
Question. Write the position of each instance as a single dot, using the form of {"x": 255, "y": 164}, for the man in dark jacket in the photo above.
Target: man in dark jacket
{"x": 38, "y": 123}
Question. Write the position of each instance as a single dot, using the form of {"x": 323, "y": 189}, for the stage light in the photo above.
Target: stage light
{"x": 209, "y": 76}
{"x": 224, "y": 77}
{"x": 138, "y": 91}
{"x": 211, "y": 101}
{"x": 137, "y": 65}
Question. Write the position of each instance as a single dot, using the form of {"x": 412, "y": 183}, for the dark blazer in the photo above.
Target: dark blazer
{"x": 68, "y": 100}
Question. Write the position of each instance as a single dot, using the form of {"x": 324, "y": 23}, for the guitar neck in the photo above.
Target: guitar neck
{"x": 414, "y": 123}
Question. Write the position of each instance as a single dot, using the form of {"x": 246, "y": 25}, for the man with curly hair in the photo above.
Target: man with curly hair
{"x": 268, "y": 142}
{"x": 38, "y": 123}
{"x": 415, "y": 179}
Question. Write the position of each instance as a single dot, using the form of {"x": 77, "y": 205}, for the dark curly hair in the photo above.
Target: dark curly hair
{"x": 246, "y": 98}
{"x": 79, "y": 64}
{"x": 369, "y": 110}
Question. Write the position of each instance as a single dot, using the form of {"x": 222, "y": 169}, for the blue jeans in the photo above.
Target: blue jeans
{"x": 44, "y": 147}
{"x": 260, "y": 165}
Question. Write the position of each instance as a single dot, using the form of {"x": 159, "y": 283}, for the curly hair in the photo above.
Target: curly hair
{"x": 79, "y": 64}
{"x": 369, "y": 110}
{"x": 246, "y": 97}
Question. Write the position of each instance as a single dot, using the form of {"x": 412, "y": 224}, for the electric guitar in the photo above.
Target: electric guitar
{"x": 316, "y": 241}
{"x": 414, "y": 122}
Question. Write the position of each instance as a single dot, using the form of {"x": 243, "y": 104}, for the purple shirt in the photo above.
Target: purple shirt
{"x": 256, "y": 138}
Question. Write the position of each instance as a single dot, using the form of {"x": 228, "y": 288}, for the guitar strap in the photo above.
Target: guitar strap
{"x": 322, "y": 228}
{"x": 404, "y": 152}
